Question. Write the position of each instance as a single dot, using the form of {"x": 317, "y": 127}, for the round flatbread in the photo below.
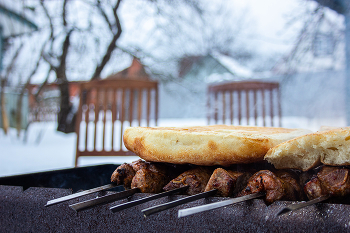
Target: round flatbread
{"x": 330, "y": 147}
{"x": 206, "y": 145}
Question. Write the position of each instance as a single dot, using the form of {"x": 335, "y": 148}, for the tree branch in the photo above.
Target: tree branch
{"x": 104, "y": 15}
{"x": 64, "y": 13}
{"x": 48, "y": 17}
{"x": 112, "y": 45}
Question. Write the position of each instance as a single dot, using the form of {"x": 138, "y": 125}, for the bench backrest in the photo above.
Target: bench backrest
{"x": 106, "y": 108}
{"x": 248, "y": 102}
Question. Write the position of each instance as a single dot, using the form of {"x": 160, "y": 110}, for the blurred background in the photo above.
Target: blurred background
{"x": 75, "y": 73}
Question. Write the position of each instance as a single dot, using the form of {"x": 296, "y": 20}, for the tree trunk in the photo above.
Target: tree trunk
{"x": 4, "y": 116}
{"x": 19, "y": 112}
{"x": 65, "y": 123}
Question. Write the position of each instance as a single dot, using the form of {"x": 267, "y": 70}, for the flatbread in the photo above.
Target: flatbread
{"x": 330, "y": 147}
{"x": 206, "y": 145}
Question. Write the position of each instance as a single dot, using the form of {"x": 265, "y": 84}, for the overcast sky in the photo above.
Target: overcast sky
{"x": 270, "y": 18}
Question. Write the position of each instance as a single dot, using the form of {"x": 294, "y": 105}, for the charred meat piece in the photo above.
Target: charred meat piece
{"x": 123, "y": 175}
{"x": 294, "y": 190}
{"x": 313, "y": 188}
{"x": 196, "y": 178}
{"x": 333, "y": 181}
{"x": 336, "y": 180}
{"x": 153, "y": 178}
{"x": 276, "y": 188}
{"x": 139, "y": 164}
{"x": 224, "y": 181}
{"x": 149, "y": 181}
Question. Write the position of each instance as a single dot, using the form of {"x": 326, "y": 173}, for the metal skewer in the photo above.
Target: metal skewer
{"x": 302, "y": 204}
{"x": 146, "y": 199}
{"x": 103, "y": 200}
{"x": 165, "y": 206}
{"x": 202, "y": 208}
{"x": 80, "y": 194}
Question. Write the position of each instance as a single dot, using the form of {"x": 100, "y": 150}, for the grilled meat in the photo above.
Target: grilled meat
{"x": 224, "y": 181}
{"x": 123, "y": 175}
{"x": 196, "y": 178}
{"x": 293, "y": 189}
{"x": 333, "y": 181}
{"x": 276, "y": 188}
{"x": 313, "y": 188}
{"x": 139, "y": 164}
{"x": 149, "y": 181}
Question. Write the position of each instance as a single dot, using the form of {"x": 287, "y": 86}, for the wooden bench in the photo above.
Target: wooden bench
{"x": 241, "y": 102}
{"x": 106, "y": 108}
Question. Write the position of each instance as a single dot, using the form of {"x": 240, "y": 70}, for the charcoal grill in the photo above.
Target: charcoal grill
{"x": 23, "y": 199}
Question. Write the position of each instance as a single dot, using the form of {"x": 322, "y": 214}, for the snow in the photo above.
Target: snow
{"x": 46, "y": 149}
{"x": 233, "y": 65}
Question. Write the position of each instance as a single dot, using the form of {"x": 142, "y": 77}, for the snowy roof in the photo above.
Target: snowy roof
{"x": 232, "y": 65}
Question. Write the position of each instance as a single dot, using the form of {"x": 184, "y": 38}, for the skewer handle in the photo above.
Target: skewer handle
{"x": 80, "y": 194}
{"x": 169, "y": 205}
{"x": 212, "y": 206}
{"x": 146, "y": 199}
{"x": 103, "y": 200}
{"x": 302, "y": 205}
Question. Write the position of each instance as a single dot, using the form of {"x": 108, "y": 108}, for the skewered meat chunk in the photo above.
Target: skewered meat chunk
{"x": 139, "y": 164}
{"x": 149, "y": 181}
{"x": 224, "y": 181}
{"x": 294, "y": 191}
{"x": 196, "y": 178}
{"x": 333, "y": 181}
{"x": 123, "y": 175}
{"x": 153, "y": 178}
{"x": 276, "y": 188}
{"x": 313, "y": 188}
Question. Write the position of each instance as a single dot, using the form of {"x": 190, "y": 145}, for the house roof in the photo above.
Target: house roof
{"x": 232, "y": 65}
{"x": 135, "y": 71}
{"x": 227, "y": 62}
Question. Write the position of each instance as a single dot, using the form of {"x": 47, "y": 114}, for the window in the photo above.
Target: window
{"x": 323, "y": 45}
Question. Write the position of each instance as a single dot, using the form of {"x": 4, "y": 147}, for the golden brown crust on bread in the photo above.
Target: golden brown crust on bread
{"x": 331, "y": 147}
{"x": 206, "y": 145}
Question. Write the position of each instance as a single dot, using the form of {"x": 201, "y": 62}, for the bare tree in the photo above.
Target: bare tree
{"x": 4, "y": 80}
{"x": 108, "y": 11}
{"x": 67, "y": 43}
{"x": 304, "y": 52}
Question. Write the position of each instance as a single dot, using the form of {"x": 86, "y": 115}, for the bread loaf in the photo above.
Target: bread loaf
{"x": 330, "y": 147}
{"x": 206, "y": 145}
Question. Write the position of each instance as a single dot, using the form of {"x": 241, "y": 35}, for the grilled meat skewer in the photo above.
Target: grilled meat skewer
{"x": 139, "y": 176}
{"x": 264, "y": 183}
{"x": 189, "y": 182}
{"x": 196, "y": 178}
{"x": 328, "y": 182}
{"x": 222, "y": 183}
{"x": 124, "y": 174}
{"x": 280, "y": 186}
{"x": 334, "y": 181}
{"x": 227, "y": 182}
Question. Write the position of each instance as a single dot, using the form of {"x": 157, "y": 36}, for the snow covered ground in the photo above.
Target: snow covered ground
{"x": 46, "y": 149}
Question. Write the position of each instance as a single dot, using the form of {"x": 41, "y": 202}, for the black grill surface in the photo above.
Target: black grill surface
{"x": 23, "y": 210}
